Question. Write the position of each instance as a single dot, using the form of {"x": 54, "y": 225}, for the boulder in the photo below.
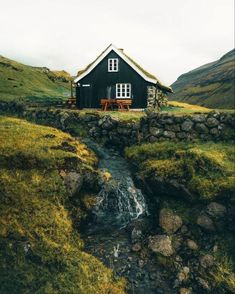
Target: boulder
{"x": 216, "y": 210}
{"x": 203, "y": 283}
{"x": 199, "y": 118}
{"x": 205, "y": 222}
{"x": 207, "y": 261}
{"x": 169, "y": 134}
{"x": 161, "y": 244}
{"x": 214, "y": 131}
{"x": 155, "y": 131}
{"x": 187, "y": 125}
{"x": 212, "y": 122}
{"x": 185, "y": 291}
{"x": 136, "y": 247}
{"x": 169, "y": 221}
{"x": 73, "y": 182}
{"x": 201, "y": 128}
{"x": 182, "y": 135}
{"x": 136, "y": 235}
{"x": 192, "y": 245}
{"x": 183, "y": 274}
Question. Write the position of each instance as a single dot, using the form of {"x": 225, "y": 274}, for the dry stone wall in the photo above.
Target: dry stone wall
{"x": 153, "y": 127}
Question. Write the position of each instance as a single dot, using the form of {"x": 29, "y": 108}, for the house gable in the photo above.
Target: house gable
{"x": 147, "y": 77}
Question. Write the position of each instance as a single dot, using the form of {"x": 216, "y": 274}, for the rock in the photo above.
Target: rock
{"x": 203, "y": 283}
{"x": 136, "y": 235}
{"x": 201, "y": 128}
{"x": 183, "y": 274}
{"x": 169, "y": 134}
{"x": 73, "y": 182}
{"x": 156, "y": 131}
{"x": 215, "y": 248}
{"x": 141, "y": 263}
{"x": 207, "y": 261}
{"x": 187, "y": 125}
{"x": 167, "y": 121}
{"x": 173, "y": 128}
{"x": 212, "y": 122}
{"x": 169, "y": 221}
{"x": 205, "y": 222}
{"x": 185, "y": 291}
{"x": 192, "y": 245}
{"x": 216, "y": 210}
{"x": 136, "y": 247}
{"x": 184, "y": 229}
{"x": 199, "y": 118}
{"x": 161, "y": 244}
{"x": 182, "y": 135}
{"x": 215, "y": 132}
{"x": 153, "y": 139}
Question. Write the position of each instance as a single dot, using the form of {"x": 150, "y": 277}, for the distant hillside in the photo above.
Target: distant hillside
{"x": 211, "y": 85}
{"x": 31, "y": 83}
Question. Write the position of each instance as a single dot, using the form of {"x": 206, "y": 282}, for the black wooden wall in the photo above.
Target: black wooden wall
{"x": 99, "y": 79}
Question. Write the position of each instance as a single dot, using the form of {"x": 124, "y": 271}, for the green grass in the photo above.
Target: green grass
{"x": 40, "y": 248}
{"x": 173, "y": 107}
{"x": 33, "y": 84}
{"x": 206, "y": 169}
{"x": 224, "y": 275}
{"x": 127, "y": 116}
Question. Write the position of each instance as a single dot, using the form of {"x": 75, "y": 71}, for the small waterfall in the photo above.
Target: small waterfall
{"x": 119, "y": 201}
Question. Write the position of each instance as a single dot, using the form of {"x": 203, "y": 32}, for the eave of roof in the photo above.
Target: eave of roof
{"x": 142, "y": 72}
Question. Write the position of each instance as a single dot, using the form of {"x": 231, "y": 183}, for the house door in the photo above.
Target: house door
{"x": 86, "y": 96}
{"x": 110, "y": 92}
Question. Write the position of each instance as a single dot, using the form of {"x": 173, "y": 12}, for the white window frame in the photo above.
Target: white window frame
{"x": 113, "y": 65}
{"x": 123, "y": 91}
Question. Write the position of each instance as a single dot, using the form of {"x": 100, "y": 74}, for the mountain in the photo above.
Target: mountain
{"x": 211, "y": 85}
{"x": 31, "y": 83}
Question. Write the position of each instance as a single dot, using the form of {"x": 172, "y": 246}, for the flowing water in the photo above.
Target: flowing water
{"x": 121, "y": 213}
{"x": 119, "y": 201}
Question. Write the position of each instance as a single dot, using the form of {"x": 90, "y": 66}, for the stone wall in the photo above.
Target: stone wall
{"x": 208, "y": 126}
{"x": 153, "y": 95}
{"x": 151, "y": 128}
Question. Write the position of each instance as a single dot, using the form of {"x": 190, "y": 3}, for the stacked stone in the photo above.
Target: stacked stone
{"x": 210, "y": 126}
{"x": 156, "y": 126}
{"x": 151, "y": 93}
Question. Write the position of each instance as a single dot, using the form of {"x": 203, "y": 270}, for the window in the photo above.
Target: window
{"x": 123, "y": 90}
{"x": 112, "y": 64}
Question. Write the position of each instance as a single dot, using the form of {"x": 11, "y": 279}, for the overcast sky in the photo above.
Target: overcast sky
{"x": 166, "y": 37}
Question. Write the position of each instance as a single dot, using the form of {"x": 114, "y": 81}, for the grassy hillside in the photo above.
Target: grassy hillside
{"x": 211, "y": 85}
{"x": 31, "y": 83}
{"x": 40, "y": 247}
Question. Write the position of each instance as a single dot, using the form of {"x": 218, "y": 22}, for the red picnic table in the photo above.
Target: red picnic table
{"x": 122, "y": 104}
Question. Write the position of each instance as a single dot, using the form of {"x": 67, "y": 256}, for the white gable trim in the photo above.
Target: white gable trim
{"x": 118, "y": 52}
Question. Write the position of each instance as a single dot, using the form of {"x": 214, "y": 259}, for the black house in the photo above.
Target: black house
{"x": 114, "y": 75}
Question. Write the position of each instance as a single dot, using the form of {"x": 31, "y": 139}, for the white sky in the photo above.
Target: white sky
{"x": 166, "y": 37}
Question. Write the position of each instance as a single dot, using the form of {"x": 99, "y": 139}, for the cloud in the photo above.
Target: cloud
{"x": 166, "y": 37}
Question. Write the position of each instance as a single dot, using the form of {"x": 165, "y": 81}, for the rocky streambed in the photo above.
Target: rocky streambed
{"x": 116, "y": 231}
{"x": 159, "y": 244}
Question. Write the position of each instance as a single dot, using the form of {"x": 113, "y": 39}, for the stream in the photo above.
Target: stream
{"x": 116, "y": 232}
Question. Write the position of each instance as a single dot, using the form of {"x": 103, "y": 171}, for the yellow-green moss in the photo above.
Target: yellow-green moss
{"x": 206, "y": 169}
{"x": 40, "y": 251}
{"x": 223, "y": 274}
